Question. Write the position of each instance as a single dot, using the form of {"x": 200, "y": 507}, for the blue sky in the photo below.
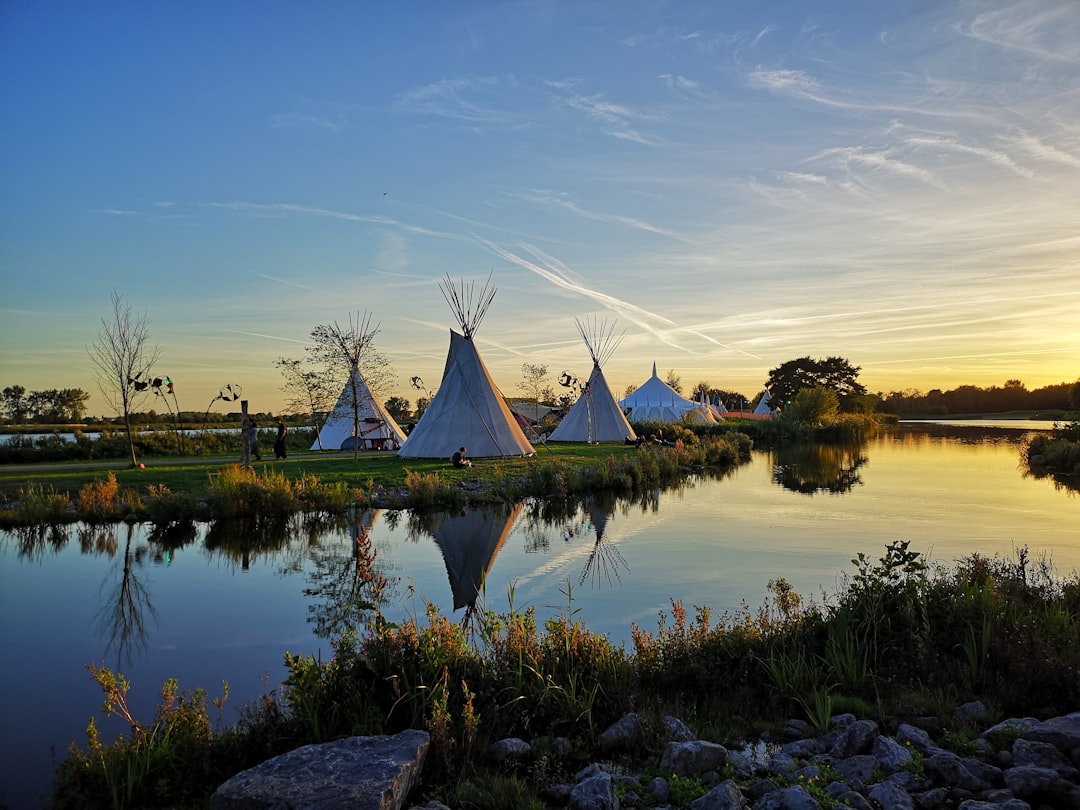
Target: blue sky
{"x": 738, "y": 184}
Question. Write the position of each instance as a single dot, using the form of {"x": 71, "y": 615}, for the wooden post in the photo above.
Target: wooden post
{"x": 245, "y": 446}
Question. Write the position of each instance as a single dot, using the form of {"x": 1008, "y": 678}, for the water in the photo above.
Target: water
{"x": 226, "y": 602}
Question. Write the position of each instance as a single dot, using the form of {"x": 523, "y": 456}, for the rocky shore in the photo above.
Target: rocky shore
{"x": 1020, "y": 764}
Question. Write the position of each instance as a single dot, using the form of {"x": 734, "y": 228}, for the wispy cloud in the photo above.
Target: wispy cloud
{"x": 284, "y": 281}
{"x": 553, "y": 198}
{"x": 115, "y": 212}
{"x": 615, "y": 119}
{"x": 291, "y": 120}
{"x": 457, "y": 99}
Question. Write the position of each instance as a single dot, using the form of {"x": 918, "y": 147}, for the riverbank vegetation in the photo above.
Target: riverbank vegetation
{"x": 169, "y": 491}
{"x": 1056, "y": 455}
{"x": 902, "y": 638}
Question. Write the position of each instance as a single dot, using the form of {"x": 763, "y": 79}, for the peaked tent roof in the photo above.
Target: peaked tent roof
{"x": 656, "y": 401}
{"x": 764, "y": 406}
{"x": 468, "y": 410}
{"x": 374, "y": 422}
{"x": 596, "y": 416}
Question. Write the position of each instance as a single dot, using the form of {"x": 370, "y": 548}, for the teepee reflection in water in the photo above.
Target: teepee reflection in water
{"x": 605, "y": 559}
{"x": 469, "y": 541}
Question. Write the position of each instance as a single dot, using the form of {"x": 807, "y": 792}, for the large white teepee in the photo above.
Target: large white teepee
{"x": 468, "y": 410}
{"x": 374, "y": 426}
{"x": 656, "y": 401}
{"x": 596, "y": 416}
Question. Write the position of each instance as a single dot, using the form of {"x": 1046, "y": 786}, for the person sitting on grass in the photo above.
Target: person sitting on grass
{"x": 459, "y": 460}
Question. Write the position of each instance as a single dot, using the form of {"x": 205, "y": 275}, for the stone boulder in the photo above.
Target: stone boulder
{"x": 362, "y": 773}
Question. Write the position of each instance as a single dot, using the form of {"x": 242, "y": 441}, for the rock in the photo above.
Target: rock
{"x": 691, "y": 758}
{"x": 622, "y": 734}
{"x": 725, "y": 796}
{"x": 677, "y": 730}
{"x": 510, "y": 749}
{"x": 1008, "y": 804}
{"x": 365, "y": 773}
{"x": 859, "y": 771}
{"x": 1062, "y": 732}
{"x": 792, "y": 798}
{"x": 854, "y": 801}
{"x": 597, "y": 792}
{"x": 892, "y": 796}
{"x": 889, "y": 755}
{"x": 1036, "y": 785}
{"x": 659, "y": 790}
{"x": 856, "y": 738}
{"x": 949, "y": 769}
{"x": 804, "y": 749}
{"x": 919, "y": 740}
{"x": 1043, "y": 755}
{"x": 971, "y": 712}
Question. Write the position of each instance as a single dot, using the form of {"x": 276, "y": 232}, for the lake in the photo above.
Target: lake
{"x": 226, "y": 601}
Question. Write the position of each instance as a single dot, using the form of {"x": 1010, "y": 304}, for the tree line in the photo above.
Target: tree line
{"x": 1012, "y": 396}
{"x": 55, "y": 406}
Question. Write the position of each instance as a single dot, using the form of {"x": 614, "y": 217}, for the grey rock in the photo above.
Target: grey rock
{"x": 759, "y": 789}
{"x": 859, "y": 771}
{"x": 907, "y": 781}
{"x": 854, "y": 801}
{"x": 1043, "y": 755}
{"x": 1019, "y": 725}
{"x": 1063, "y": 732}
{"x": 780, "y": 763}
{"x": 888, "y": 794}
{"x": 677, "y": 730}
{"x": 509, "y": 750}
{"x": 589, "y": 770}
{"x": 1008, "y": 804}
{"x": 1035, "y": 784}
{"x": 889, "y": 755}
{"x": 622, "y": 734}
{"x": 690, "y": 758}
{"x": 949, "y": 769}
{"x": 919, "y": 740}
{"x": 931, "y": 799}
{"x": 659, "y": 790}
{"x": 741, "y": 764}
{"x": 365, "y": 773}
{"x": 844, "y": 720}
{"x": 855, "y": 739}
{"x": 791, "y": 798}
{"x": 595, "y": 793}
{"x": 971, "y": 712}
{"x": 557, "y": 794}
{"x": 725, "y": 796}
{"x": 803, "y": 749}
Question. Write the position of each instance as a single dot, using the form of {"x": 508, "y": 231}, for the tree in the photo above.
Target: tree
{"x": 815, "y": 406}
{"x": 631, "y": 388}
{"x": 533, "y": 384}
{"x": 399, "y": 408}
{"x": 341, "y": 350}
{"x": 1074, "y": 396}
{"x": 307, "y": 390}
{"x": 14, "y": 404}
{"x": 674, "y": 380}
{"x": 834, "y": 373}
{"x": 123, "y": 357}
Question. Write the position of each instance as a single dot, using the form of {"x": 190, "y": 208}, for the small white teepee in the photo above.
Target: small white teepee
{"x": 764, "y": 406}
{"x": 596, "y": 416}
{"x": 468, "y": 410}
{"x": 374, "y": 426}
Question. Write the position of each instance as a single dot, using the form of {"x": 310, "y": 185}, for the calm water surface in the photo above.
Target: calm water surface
{"x": 223, "y": 604}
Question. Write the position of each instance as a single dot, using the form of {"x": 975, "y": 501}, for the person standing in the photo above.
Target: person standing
{"x": 253, "y": 440}
{"x": 279, "y": 443}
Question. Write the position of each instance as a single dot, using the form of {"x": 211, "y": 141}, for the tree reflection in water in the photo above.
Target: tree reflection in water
{"x": 347, "y": 584}
{"x": 34, "y": 541}
{"x": 812, "y": 468}
{"x": 125, "y": 606}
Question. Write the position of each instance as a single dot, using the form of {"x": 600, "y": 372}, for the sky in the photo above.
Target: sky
{"x": 734, "y": 185}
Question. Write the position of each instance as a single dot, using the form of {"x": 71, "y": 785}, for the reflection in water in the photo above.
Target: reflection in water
{"x": 812, "y": 468}
{"x": 33, "y": 541}
{"x": 604, "y": 561}
{"x": 126, "y": 606}
{"x": 241, "y": 540}
{"x": 347, "y": 582}
{"x": 469, "y": 542}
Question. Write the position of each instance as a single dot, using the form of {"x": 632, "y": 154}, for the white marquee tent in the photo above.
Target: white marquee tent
{"x": 656, "y": 401}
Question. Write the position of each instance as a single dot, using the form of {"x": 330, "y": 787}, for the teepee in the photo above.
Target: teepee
{"x": 468, "y": 410}
{"x": 656, "y": 401}
{"x": 764, "y": 406}
{"x": 359, "y": 413}
{"x": 469, "y": 542}
{"x": 596, "y": 416}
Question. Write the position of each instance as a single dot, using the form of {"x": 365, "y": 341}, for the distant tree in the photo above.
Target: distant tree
{"x": 630, "y": 389}
{"x": 1074, "y": 396}
{"x": 307, "y": 391}
{"x": 674, "y": 380}
{"x": 123, "y": 357}
{"x": 342, "y": 349}
{"x": 815, "y": 406}
{"x": 699, "y": 390}
{"x": 399, "y": 408}
{"x": 835, "y": 373}
{"x": 421, "y": 406}
{"x": 534, "y": 384}
{"x": 14, "y": 404}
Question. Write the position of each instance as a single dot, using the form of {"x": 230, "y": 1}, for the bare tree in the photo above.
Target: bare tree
{"x": 308, "y": 391}
{"x": 342, "y": 350}
{"x": 534, "y": 384}
{"x": 123, "y": 357}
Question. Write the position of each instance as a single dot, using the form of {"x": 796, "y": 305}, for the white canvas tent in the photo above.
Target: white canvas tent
{"x": 596, "y": 416}
{"x": 656, "y": 401}
{"x": 764, "y": 406}
{"x": 374, "y": 426}
{"x": 468, "y": 410}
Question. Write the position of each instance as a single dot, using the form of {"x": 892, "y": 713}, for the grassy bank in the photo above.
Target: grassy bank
{"x": 175, "y": 489}
{"x": 900, "y": 639}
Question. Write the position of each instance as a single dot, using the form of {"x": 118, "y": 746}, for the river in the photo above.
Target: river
{"x": 225, "y": 601}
